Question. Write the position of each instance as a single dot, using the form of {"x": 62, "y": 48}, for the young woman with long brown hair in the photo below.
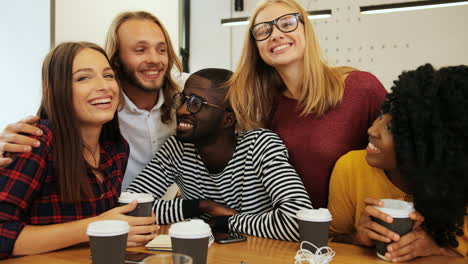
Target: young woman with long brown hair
{"x": 74, "y": 178}
{"x": 283, "y": 83}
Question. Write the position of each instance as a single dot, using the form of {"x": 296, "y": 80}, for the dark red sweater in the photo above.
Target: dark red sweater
{"x": 315, "y": 144}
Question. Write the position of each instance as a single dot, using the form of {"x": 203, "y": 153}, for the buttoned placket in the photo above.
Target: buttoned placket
{"x": 152, "y": 130}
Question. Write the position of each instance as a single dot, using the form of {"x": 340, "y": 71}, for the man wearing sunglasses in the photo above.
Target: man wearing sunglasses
{"x": 242, "y": 182}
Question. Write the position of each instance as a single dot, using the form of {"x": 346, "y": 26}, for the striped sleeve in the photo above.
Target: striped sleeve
{"x": 284, "y": 188}
{"x": 155, "y": 179}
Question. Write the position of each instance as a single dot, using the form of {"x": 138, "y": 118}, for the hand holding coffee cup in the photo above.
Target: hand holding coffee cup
{"x": 145, "y": 203}
{"x": 367, "y": 231}
{"x": 399, "y": 222}
{"x": 141, "y": 228}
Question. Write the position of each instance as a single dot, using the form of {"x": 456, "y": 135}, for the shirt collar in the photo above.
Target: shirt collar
{"x": 129, "y": 105}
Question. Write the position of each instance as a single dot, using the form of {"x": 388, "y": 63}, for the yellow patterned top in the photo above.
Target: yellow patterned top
{"x": 352, "y": 180}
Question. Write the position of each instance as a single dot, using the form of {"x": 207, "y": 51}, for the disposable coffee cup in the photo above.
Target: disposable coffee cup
{"x": 402, "y": 224}
{"x": 145, "y": 203}
{"x": 191, "y": 238}
{"x": 313, "y": 227}
{"x": 108, "y": 240}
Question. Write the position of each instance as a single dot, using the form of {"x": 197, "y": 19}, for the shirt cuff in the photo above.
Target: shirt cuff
{"x": 9, "y": 233}
{"x": 222, "y": 223}
{"x": 191, "y": 208}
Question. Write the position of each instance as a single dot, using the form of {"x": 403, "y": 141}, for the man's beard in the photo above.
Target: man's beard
{"x": 130, "y": 78}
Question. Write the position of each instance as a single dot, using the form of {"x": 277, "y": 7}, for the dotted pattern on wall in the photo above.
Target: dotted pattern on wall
{"x": 384, "y": 44}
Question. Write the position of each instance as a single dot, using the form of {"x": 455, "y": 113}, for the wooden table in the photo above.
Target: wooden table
{"x": 254, "y": 250}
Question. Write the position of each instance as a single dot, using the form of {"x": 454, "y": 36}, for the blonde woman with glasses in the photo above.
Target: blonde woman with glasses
{"x": 283, "y": 83}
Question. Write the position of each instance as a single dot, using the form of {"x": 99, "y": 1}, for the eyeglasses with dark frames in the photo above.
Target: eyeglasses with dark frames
{"x": 194, "y": 102}
{"x": 285, "y": 23}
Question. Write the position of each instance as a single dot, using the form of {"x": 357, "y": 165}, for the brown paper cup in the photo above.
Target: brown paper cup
{"x": 191, "y": 238}
{"x": 313, "y": 227}
{"x": 108, "y": 240}
{"x": 145, "y": 203}
{"x": 401, "y": 224}
{"x": 195, "y": 248}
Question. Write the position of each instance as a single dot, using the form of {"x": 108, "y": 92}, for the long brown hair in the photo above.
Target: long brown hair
{"x": 112, "y": 47}
{"x": 255, "y": 84}
{"x": 70, "y": 166}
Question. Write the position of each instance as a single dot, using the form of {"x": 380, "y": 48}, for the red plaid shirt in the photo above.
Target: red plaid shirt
{"x": 27, "y": 196}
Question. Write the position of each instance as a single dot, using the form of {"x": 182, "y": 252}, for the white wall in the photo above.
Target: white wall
{"x": 88, "y": 20}
{"x": 24, "y": 42}
{"x": 210, "y": 44}
{"x": 384, "y": 44}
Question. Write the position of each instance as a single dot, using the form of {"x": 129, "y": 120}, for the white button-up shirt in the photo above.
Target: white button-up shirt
{"x": 145, "y": 132}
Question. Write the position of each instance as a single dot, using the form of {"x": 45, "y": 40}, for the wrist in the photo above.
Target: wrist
{"x": 222, "y": 224}
{"x": 355, "y": 238}
{"x": 83, "y": 227}
{"x": 445, "y": 251}
{"x": 191, "y": 208}
{"x": 204, "y": 205}
{"x": 360, "y": 239}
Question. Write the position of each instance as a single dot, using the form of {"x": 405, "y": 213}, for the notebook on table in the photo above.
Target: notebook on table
{"x": 160, "y": 243}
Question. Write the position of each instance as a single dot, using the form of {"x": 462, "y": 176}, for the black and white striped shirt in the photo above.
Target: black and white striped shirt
{"x": 258, "y": 182}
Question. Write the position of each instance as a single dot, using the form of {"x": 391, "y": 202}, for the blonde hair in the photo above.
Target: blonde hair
{"x": 255, "y": 84}
{"x": 112, "y": 49}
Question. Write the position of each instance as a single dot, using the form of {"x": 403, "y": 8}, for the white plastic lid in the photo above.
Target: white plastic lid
{"x": 107, "y": 228}
{"x": 396, "y": 208}
{"x": 192, "y": 229}
{"x": 127, "y": 197}
{"x": 316, "y": 215}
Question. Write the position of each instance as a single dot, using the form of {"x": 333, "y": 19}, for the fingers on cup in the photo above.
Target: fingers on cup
{"x": 140, "y": 220}
{"x": 148, "y": 220}
{"x": 416, "y": 216}
{"x": 373, "y": 201}
{"x": 376, "y": 236}
{"x": 402, "y": 251}
{"x": 405, "y": 241}
{"x": 403, "y": 254}
{"x": 128, "y": 207}
{"x": 143, "y": 229}
{"x": 376, "y": 213}
{"x": 383, "y": 231}
{"x": 142, "y": 238}
{"x": 135, "y": 244}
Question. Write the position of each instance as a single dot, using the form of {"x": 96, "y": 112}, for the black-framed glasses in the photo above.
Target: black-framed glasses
{"x": 285, "y": 23}
{"x": 194, "y": 102}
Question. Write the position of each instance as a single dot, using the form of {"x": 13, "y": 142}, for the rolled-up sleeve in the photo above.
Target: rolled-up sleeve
{"x": 19, "y": 183}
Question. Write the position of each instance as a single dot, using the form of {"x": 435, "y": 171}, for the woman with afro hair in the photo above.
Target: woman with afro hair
{"x": 418, "y": 151}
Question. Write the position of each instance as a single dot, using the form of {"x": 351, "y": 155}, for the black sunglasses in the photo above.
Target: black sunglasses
{"x": 194, "y": 102}
{"x": 285, "y": 23}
